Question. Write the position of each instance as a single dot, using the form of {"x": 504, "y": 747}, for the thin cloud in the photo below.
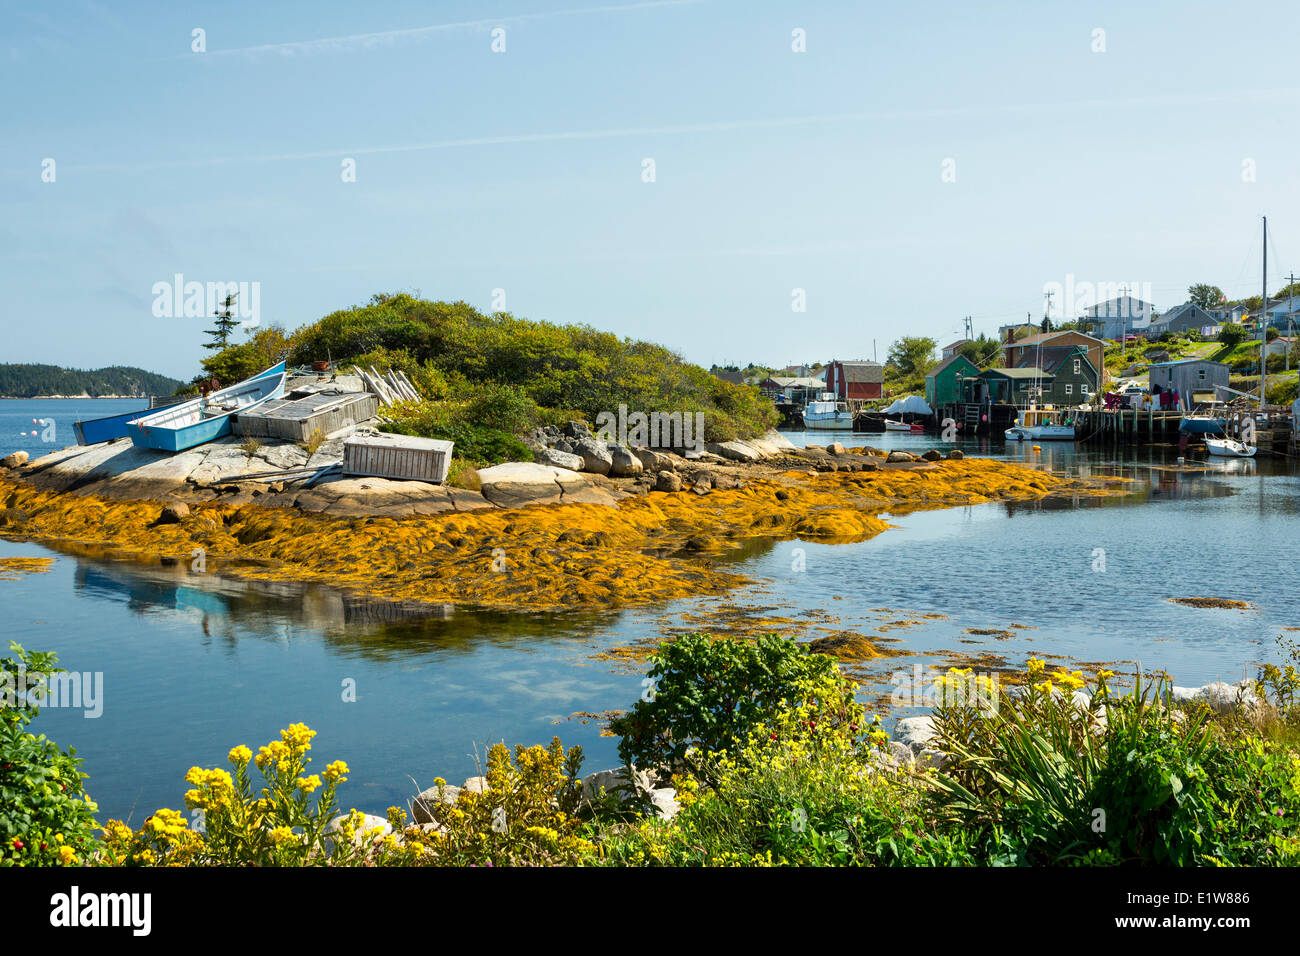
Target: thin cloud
{"x": 678, "y": 129}
{"x": 367, "y": 41}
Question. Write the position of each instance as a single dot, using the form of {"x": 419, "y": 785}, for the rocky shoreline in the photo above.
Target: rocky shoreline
{"x": 571, "y": 466}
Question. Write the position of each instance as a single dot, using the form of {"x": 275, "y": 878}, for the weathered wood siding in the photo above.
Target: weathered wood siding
{"x": 397, "y": 456}
{"x": 298, "y": 419}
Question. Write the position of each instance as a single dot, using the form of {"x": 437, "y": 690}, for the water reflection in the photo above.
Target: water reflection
{"x": 232, "y": 609}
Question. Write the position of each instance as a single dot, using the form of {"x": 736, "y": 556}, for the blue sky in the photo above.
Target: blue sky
{"x": 522, "y": 170}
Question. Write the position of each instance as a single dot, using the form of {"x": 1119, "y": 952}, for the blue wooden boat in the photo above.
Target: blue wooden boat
{"x": 204, "y": 419}
{"x": 112, "y": 427}
{"x": 95, "y": 430}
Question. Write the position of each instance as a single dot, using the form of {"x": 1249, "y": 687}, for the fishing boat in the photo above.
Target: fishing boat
{"x": 204, "y": 419}
{"x": 1229, "y": 448}
{"x": 1039, "y": 424}
{"x": 828, "y": 414}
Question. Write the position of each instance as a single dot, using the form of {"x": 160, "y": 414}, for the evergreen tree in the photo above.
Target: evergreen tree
{"x": 225, "y": 324}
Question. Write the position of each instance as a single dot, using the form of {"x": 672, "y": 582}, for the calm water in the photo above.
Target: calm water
{"x": 194, "y": 664}
{"x": 51, "y": 420}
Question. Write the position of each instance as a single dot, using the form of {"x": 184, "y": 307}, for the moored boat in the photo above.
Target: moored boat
{"x": 1039, "y": 424}
{"x": 1201, "y": 425}
{"x": 893, "y": 426}
{"x": 204, "y": 419}
{"x": 827, "y": 414}
{"x": 1229, "y": 448}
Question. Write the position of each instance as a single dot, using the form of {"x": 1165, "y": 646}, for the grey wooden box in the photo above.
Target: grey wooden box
{"x": 298, "y": 419}
{"x": 397, "y": 456}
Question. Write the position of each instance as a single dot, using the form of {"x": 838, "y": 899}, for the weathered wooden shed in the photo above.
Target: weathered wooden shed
{"x": 1188, "y": 377}
{"x": 297, "y": 419}
{"x": 941, "y": 382}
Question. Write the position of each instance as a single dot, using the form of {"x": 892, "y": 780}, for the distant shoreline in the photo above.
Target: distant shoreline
{"x": 70, "y": 398}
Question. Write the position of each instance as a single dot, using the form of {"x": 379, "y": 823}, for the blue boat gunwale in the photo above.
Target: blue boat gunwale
{"x": 174, "y": 439}
{"x": 112, "y": 422}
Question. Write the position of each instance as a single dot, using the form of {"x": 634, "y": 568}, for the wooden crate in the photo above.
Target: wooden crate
{"x": 397, "y": 456}
{"x": 297, "y": 419}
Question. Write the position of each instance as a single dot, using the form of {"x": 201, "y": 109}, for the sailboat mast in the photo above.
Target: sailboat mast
{"x": 1263, "y": 324}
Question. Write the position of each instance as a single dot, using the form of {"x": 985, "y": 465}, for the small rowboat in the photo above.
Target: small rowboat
{"x": 204, "y": 419}
{"x": 1229, "y": 448}
{"x": 95, "y": 430}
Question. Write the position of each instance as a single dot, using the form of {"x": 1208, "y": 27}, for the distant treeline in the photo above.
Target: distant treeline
{"x": 25, "y": 381}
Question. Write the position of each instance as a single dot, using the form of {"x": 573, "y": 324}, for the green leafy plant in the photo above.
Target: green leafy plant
{"x": 705, "y": 694}
{"x": 46, "y": 818}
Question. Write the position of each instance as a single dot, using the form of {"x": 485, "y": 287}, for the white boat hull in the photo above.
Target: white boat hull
{"x": 1040, "y": 433}
{"x": 1227, "y": 448}
{"x": 840, "y": 421}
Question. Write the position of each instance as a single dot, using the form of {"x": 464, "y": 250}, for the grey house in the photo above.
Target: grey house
{"x": 1187, "y": 317}
{"x": 1193, "y": 379}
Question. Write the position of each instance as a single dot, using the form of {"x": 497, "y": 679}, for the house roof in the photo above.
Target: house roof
{"x": 788, "y": 381}
{"x": 735, "y": 378}
{"x": 1052, "y": 357}
{"x": 1189, "y": 361}
{"x": 1179, "y": 311}
{"x": 1046, "y": 337}
{"x": 949, "y": 361}
{"x": 1018, "y": 373}
{"x": 862, "y": 371}
{"x": 955, "y": 344}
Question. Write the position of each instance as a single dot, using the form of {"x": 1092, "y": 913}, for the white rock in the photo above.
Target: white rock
{"x": 929, "y": 759}
{"x": 369, "y": 822}
{"x": 733, "y": 450}
{"x": 422, "y": 807}
{"x": 915, "y": 732}
{"x": 664, "y": 801}
{"x": 614, "y": 782}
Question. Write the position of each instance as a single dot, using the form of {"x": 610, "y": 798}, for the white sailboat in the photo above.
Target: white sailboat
{"x": 1229, "y": 448}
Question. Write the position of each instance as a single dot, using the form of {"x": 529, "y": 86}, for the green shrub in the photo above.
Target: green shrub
{"x": 706, "y": 694}
{"x": 46, "y": 818}
{"x": 474, "y": 444}
{"x": 1048, "y": 781}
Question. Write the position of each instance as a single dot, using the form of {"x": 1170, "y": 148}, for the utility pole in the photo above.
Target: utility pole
{"x": 1263, "y": 334}
{"x": 1290, "y": 325}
